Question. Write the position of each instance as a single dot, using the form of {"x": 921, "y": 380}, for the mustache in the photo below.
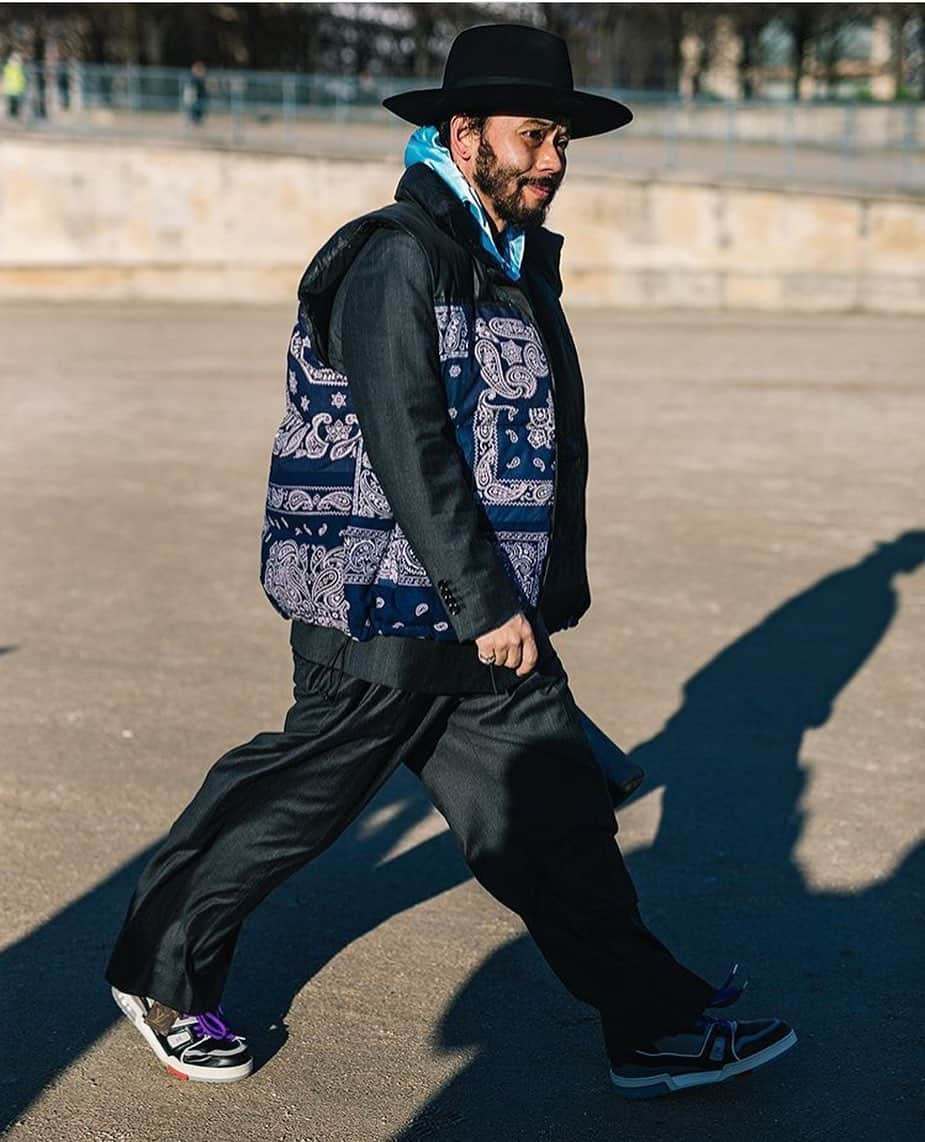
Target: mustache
{"x": 548, "y": 183}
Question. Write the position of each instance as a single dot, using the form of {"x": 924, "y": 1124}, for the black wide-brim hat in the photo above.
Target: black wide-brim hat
{"x": 498, "y": 68}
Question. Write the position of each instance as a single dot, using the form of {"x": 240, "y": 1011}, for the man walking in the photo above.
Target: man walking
{"x": 425, "y": 532}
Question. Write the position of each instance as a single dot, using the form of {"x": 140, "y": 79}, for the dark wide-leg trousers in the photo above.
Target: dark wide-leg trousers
{"x": 512, "y": 773}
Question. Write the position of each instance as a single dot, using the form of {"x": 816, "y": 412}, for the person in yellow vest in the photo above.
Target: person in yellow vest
{"x": 14, "y": 84}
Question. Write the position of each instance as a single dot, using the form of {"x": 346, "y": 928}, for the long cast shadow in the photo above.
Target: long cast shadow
{"x": 720, "y": 883}
{"x": 53, "y": 977}
{"x": 729, "y": 761}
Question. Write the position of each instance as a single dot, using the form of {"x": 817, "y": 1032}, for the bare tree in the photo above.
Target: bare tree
{"x": 750, "y": 20}
{"x": 802, "y": 20}
{"x": 633, "y": 45}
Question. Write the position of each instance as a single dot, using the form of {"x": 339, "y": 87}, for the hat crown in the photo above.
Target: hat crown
{"x": 495, "y": 69}
{"x": 515, "y": 53}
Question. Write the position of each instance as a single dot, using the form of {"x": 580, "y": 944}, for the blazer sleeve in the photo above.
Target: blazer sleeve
{"x": 383, "y": 335}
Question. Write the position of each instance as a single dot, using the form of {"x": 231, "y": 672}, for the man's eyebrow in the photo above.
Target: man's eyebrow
{"x": 546, "y": 123}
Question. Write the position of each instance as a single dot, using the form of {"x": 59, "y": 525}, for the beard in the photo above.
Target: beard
{"x": 503, "y": 185}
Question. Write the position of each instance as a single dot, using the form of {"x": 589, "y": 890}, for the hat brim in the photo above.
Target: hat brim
{"x": 587, "y": 114}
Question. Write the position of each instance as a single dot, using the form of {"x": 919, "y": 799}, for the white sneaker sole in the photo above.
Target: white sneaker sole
{"x": 133, "y": 1009}
{"x": 650, "y": 1086}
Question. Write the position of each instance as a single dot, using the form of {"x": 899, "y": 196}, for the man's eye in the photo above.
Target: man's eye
{"x": 563, "y": 143}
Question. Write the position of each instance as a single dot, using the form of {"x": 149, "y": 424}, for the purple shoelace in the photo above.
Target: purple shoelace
{"x": 729, "y": 992}
{"x": 211, "y": 1024}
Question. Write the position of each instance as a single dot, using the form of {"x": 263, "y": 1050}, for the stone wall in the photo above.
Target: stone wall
{"x": 115, "y": 220}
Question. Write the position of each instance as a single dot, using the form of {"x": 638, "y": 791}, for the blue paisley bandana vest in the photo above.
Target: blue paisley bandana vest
{"x": 333, "y": 553}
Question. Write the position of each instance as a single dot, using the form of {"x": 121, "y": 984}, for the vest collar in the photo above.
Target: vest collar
{"x": 423, "y": 186}
{"x": 507, "y": 247}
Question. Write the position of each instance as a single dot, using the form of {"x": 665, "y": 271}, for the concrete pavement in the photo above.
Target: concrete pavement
{"x": 755, "y": 640}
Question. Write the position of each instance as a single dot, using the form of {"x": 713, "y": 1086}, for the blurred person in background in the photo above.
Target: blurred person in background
{"x": 425, "y": 534}
{"x": 14, "y": 84}
{"x": 63, "y": 84}
{"x": 40, "y": 108}
{"x": 196, "y": 93}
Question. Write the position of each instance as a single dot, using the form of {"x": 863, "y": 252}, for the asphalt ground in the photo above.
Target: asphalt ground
{"x": 755, "y": 641}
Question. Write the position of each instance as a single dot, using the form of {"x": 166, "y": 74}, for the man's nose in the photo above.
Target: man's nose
{"x": 550, "y": 160}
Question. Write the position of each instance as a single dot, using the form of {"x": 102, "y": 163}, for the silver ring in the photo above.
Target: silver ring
{"x": 487, "y": 661}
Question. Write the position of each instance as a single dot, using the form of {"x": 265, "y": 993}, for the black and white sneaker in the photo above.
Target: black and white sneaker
{"x": 198, "y": 1047}
{"x": 711, "y": 1051}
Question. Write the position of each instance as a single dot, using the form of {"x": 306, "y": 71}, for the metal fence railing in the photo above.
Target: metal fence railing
{"x": 849, "y": 143}
{"x": 252, "y": 95}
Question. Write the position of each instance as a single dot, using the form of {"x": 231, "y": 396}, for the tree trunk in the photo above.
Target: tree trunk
{"x": 801, "y": 28}
{"x": 674, "y": 15}
{"x": 921, "y": 19}
{"x": 898, "y": 45}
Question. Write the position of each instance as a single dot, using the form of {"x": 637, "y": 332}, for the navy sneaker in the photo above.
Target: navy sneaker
{"x": 710, "y": 1051}
{"x": 198, "y": 1047}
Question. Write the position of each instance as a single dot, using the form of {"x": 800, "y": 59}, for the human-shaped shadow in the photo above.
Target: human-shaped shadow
{"x": 52, "y": 979}
{"x": 720, "y": 883}
{"x": 729, "y": 761}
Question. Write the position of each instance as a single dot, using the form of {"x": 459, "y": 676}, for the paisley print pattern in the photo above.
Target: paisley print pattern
{"x": 402, "y": 567}
{"x": 542, "y": 422}
{"x": 369, "y": 500}
{"x": 513, "y": 424}
{"x": 524, "y": 554}
{"x": 308, "y": 500}
{"x": 303, "y": 358}
{"x": 312, "y": 439}
{"x": 306, "y": 582}
{"x": 493, "y": 488}
{"x": 333, "y": 553}
{"x": 363, "y": 551}
{"x": 453, "y": 331}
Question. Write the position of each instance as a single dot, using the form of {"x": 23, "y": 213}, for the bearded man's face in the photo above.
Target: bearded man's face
{"x": 519, "y": 166}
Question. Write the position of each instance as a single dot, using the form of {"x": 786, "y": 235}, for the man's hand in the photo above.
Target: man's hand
{"x": 512, "y": 644}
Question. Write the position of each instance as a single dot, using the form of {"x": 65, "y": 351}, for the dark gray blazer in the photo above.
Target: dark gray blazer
{"x": 381, "y": 335}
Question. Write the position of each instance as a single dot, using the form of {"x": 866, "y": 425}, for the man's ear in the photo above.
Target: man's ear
{"x": 463, "y": 137}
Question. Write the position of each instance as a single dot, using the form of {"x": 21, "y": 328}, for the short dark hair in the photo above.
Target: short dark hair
{"x": 443, "y": 128}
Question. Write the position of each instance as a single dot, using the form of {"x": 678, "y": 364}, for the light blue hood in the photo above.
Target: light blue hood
{"x": 424, "y": 147}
